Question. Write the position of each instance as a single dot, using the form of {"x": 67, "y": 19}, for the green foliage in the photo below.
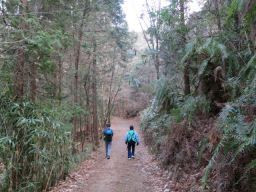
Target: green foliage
{"x": 190, "y": 48}
{"x": 202, "y": 146}
{"x": 246, "y": 78}
{"x": 39, "y": 44}
{"x": 167, "y": 95}
{"x": 238, "y": 136}
{"x": 167, "y": 109}
{"x": 248, "y": 96}
{"x": 222, "y": 66}
{"x": 193, "y": 106}
{"x": 211, "y": 50}
{"x": 155, "y": 125}
{"x": 234, "y": 7}
{"x": 248, "y": 72}
{"x": 35, "y": 149}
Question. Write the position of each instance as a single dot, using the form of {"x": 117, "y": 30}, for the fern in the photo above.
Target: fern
{"x": 190, "y": 48}
{"x": 234, "y": 7}
{"x": 204, "y": 47}
{"x": 166, "y": 96}
{"x": 212, "y": 160}
{"x": 237, "y": 135}
{"x": 248, "y": 95}
{"x": 250, "y": 166}
{"x": 222, "y": 50}
{"x": 202, "y": 146}
{"x": 248, "y": 72}
{"x": 190, "y": 107}
{"x": 203, "y": 67}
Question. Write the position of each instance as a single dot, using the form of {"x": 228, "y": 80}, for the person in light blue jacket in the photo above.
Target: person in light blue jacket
{"x": 131, "y": 138}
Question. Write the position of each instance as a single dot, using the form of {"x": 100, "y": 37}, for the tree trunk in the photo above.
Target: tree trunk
{"x": 236, "y": 27}
{"x": 19, "y": 75}
{"x": 102, "y": 108}
{"x": 16, "y": 172}
{"x": 157, "y": 62}
{"x": 108, "y": 113}
{"x": 87, "y": 88}
{"x": 216, "y": 4}
{"x": 59, "y": 80}
{"x": 253, "y": 34}
{"x": 186, "y": 78}
{"x": 33, "y": 72}
{"x": 157, "y": 65}
{"x": 77, "y": 60}
{"x": 94, "y": 90}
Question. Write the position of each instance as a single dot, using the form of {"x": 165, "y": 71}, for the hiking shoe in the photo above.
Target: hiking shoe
{"x": 108, "y": 157}
{"x": 133, "y": 157}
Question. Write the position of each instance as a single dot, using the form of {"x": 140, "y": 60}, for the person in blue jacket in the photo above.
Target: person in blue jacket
{"x": 131, "y": 139}
{"x": 108, "y": 134}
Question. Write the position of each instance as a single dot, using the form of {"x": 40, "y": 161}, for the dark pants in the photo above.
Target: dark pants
{"x": 131, "y": 149}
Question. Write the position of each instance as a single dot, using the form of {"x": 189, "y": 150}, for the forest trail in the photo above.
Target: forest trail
{"x": 118, "y": 174}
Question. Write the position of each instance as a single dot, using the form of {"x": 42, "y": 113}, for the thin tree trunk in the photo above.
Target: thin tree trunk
{"x": 80, "y": 116}
{"x": 87, "y": 87}
{"x": 253, "y": 34}
{"x": 60, "y": 80}
{"x": 157, "y": 66}
{"x": 157, "y": 42}
{"x": 186, "y": 78}
{"x": 77, "y": 60}
{"x": 216, "y": 4}
{"x": 236, "y": 26}
{"x": 33, "y": 72}
{"x": 16, "y": 172}
{"x": 19, "y": 75}
{"x": 102, "y": 108}
{"x": 94, "y": 90}
{"x": 108, "y": 114}
{"x": 114, "y": 98}
{"x": 157, "y": 62}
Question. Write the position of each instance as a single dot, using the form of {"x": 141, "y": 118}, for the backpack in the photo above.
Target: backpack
{"x": 131, "y": 137}
{"x": 108, "y": 134}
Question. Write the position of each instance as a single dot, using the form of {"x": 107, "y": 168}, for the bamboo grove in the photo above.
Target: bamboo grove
{"x": 59, "y": 64}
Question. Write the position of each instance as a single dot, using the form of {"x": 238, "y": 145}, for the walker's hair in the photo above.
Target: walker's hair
{"x": 108, "y": 124}
{"x": 131, "y": 127}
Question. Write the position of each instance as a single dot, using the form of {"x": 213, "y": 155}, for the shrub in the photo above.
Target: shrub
{"x": 238, "y": 137}
{"x": 35, "y": 149}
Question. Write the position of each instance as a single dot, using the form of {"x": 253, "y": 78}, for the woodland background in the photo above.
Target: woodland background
{"x": 66, "y": 66}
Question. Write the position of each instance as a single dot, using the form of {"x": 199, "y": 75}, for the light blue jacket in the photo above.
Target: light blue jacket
{"x": 136, "y": 136}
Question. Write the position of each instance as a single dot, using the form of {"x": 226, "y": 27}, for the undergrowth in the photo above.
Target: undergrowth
{"x": 226, "y": 144}
{"x": 168, "y": 109}
{"x": 36, "y": 145}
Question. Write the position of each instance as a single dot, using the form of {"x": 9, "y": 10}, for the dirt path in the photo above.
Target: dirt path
{"x": 118, "y": 174}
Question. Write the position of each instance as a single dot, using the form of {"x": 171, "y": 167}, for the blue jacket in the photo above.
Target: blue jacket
{"x": 136, "y": 136}
{"x": 104, "y": 132}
